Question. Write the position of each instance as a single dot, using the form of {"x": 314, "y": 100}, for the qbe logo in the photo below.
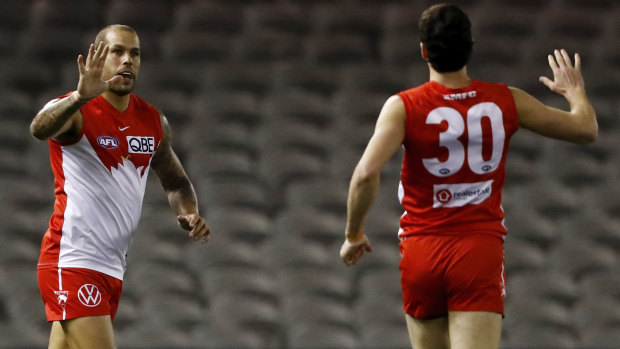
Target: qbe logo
{"x": 89, "y": 295}
{"x": 141, "y": 145}
{"x": 107, "y": 142}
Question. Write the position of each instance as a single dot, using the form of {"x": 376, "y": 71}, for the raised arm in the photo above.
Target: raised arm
{"x": 61, "y": 118}
{"x": 387, "y": 139}
{"x": 577, "y": 125}
{"x": 178, "y": 188}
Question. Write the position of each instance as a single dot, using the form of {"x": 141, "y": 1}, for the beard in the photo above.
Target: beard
{"x": 122, "y": 89}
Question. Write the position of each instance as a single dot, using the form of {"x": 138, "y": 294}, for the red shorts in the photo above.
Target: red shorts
{"x": 70, "y": 293}
{"x": 441, "y": 273}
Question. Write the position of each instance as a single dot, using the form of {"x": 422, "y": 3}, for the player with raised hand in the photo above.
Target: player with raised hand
{"x": 455, "y": 131}
{"x": 103, "y": 140}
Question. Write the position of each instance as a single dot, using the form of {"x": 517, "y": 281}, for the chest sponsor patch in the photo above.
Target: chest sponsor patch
{"x": 141, "y": 145}
{"x": 458, "y": 195}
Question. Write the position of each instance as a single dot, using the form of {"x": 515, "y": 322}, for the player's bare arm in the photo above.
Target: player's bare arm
{"x": 61, "y": 118}
{"x": 179, "y": 189}
{"x": 577, "y": 125}
{"x": 387, "y": 138}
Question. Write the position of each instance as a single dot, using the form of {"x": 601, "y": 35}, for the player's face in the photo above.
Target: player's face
{"x": 123, "y": 59}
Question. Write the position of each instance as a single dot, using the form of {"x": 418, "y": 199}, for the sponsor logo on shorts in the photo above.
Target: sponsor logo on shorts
{"x": 89, "y": 295}
{"x": 458, "y": 195}
{"x": 107, "y": 142}
{"x": 141, "y": 145}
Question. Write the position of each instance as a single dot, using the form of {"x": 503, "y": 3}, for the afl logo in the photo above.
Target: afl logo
{"x": 89, "y": 295}
{"x": 107, "y": 142}
{"x": 444, "y": 196}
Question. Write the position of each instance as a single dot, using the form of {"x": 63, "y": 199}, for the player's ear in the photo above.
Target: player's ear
{"x": 424, "y": 52}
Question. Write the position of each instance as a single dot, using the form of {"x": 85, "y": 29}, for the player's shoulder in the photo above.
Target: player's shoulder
{"x": 415, "y": 89}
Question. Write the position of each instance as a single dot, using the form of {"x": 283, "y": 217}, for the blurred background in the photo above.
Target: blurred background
{"x": 272, "y": 103}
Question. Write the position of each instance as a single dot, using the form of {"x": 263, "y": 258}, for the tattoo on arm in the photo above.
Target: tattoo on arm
{"x": 54, "y": 116}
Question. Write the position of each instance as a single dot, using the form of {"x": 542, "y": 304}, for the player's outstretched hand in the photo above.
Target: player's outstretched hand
{"x": 567, "y": 79}
{"x": 91, "y": 83}
{"x": 196, "y": 225}
{"x": 351, "y": 252}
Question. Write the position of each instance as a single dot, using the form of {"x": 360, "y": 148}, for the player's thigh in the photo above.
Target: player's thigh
{"x": 92, "y": 332}
{"x": 474, "y": 329}
{"x": 57, "y": 337}
{"x": 428, "y": 333}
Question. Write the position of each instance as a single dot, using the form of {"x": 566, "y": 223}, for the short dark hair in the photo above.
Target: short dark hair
{"x": 101, "y": 36}
{"x": 445, "y": 31}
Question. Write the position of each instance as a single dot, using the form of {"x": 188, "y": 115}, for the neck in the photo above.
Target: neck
{"x": 456, "y": 79}
{"x": 121, "y": 103}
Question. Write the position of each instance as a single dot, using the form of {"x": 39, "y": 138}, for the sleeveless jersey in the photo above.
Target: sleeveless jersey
{"x": 453, "y": 171}
{"x": 99, "y": 187}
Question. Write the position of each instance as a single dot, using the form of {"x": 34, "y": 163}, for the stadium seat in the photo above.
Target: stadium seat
{"x": 169, "y": 77}
{"x": 592, "y": 258}
{"x": 600, "y": 284}
{"x": 387, "y": 335}
{"x": 181, "y": 47}
{"x": 235, "y": 78}
{"x": 540, "y": 335}
{"x": 305, "y": 77}
{"x": 266, "y": 47}
{"x": 284, "y": 18}
{"x": 55, "y": 46}
{"x": 231, "y": 194}
{"x": 493, "y": 22}
{"x": 221, "y": 163}
{"x": 304, "y": 336}
{"x": 297, "y": 107}
{"x": 79, "y": 14}
{"x": 543, "y": 286}
{"x": 142, "y": 15}
{"x": 373, "y": 79}
{"x": 251, "y": 317}
{"x": 337, "y": 19}
{"x": 311, "y": 225}
{"x": 329, "y": 283}
{"x": 293, "y": 134}
{"x": 13, "y": 13}
{"x": 144, "y": 278}
{"x": 328, "y": 196}
{"x": 281, "y": 167}
{"x": 401, "y": 50}
{"x": 290, "y": 251}
{"x": 522, "y": 256}
{"x": 210, "y": 17}
{"x": 402, "y": 21}
{"x": 28, "y": 77}
{"x": 250, "y": 224}
{"x": 229, "y": 282}
{"x": 220, "y": 253}
{"x": 337, "y": 50}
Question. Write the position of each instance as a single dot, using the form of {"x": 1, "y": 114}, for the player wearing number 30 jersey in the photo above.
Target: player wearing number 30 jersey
{"x": 456, "y": 141}
{"x": 455, "y": 131}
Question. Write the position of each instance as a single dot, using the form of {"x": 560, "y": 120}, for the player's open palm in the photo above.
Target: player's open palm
{"x": 91, "y": 83}
{"x": 567, "y": 78}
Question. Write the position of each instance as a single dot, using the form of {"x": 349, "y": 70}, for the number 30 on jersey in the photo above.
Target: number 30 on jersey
{"x": 456, "y": 149}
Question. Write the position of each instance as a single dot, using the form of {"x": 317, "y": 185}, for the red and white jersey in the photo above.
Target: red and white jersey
{"x": 99, "y": 187}
{"x": 453, "y": 171}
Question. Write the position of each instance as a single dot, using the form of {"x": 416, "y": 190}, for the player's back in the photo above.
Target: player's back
{"x": 456, "y": 142}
